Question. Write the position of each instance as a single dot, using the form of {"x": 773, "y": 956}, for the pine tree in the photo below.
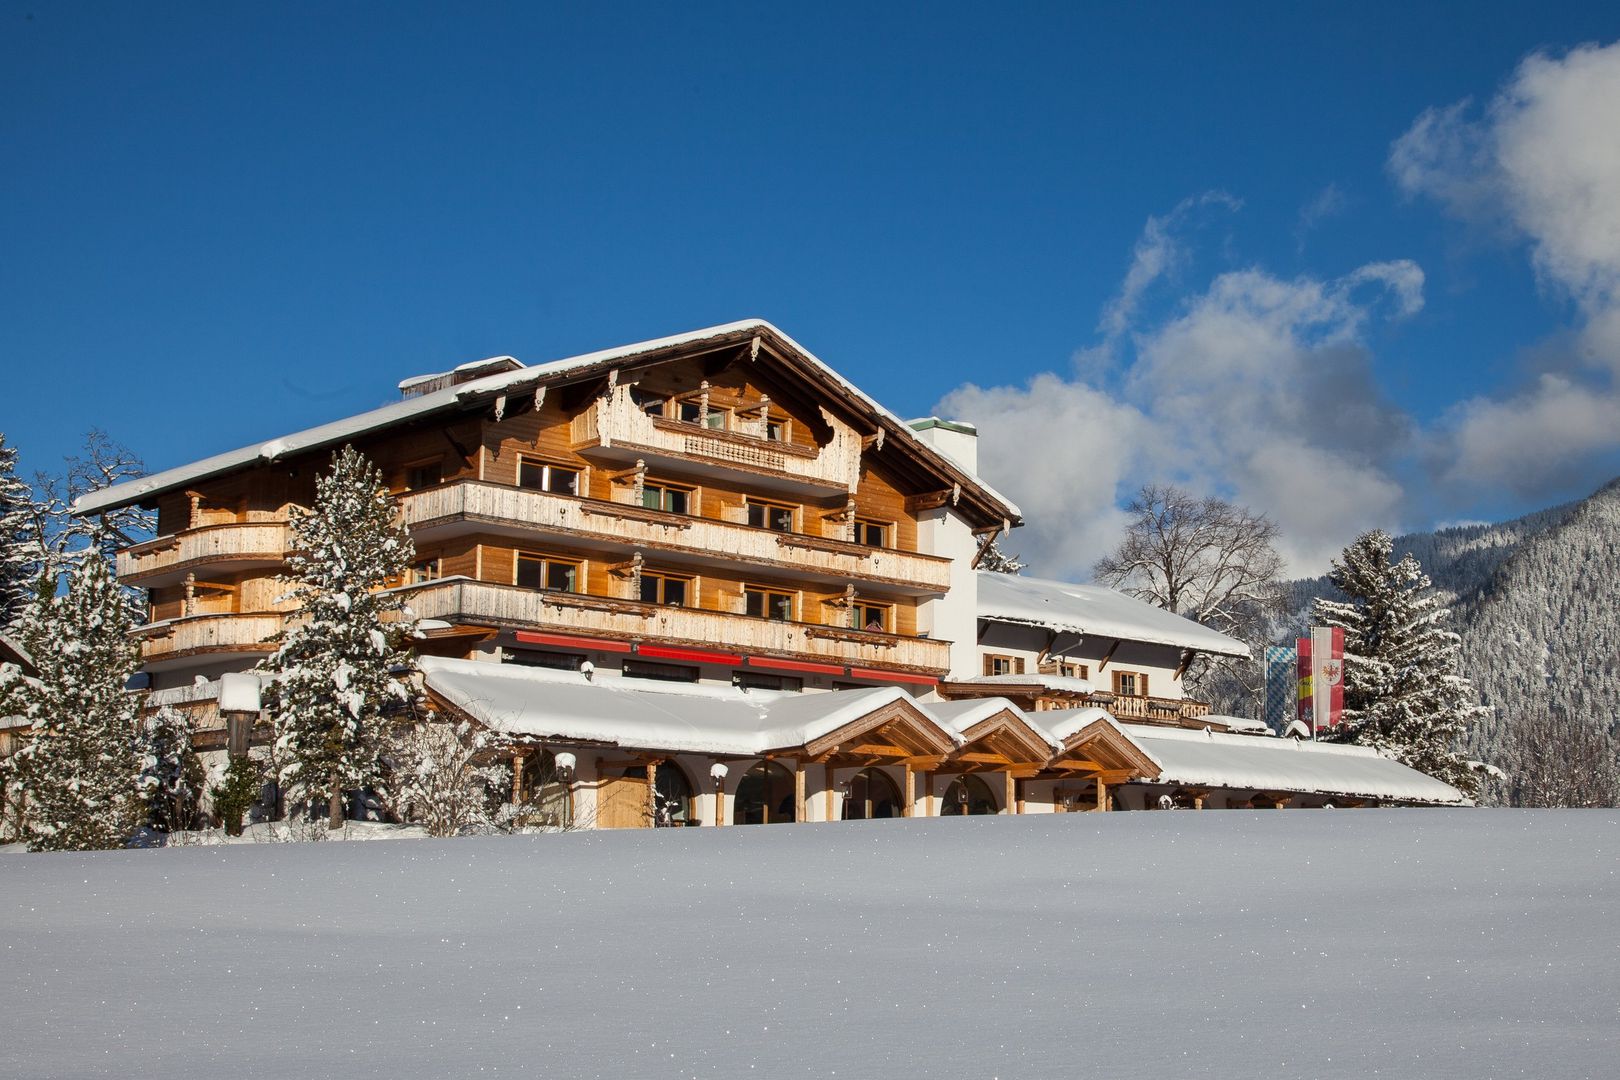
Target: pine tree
{"x": 1402, "y": 691}
{"x": 335, "y": 667}
{"x": 999, "y": 562}
{"x": 171, "y": 777}
{"x": 79, "y": 770}
{"x": 20, "y": 553}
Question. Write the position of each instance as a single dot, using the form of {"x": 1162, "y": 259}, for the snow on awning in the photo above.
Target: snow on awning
{"x": 1094, "y": 611}
{"x": 1061, "y": 684}
{"x": 676, "y": 717}
{"x": 1247, "y": 763}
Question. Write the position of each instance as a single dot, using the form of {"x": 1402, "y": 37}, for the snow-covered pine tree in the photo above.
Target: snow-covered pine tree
{"x": 79, "y": 770}
{"x": 338, "y": 662}
{"x": 171, "y": 777}
{"x": 1402, "y": 690}
{"x": 20, "y": 552}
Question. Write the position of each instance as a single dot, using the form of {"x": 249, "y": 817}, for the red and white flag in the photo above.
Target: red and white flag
{"x": 1321, "y": 678}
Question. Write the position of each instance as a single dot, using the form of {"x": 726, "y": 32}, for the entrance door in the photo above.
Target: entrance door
{"x": 621, "y": 801}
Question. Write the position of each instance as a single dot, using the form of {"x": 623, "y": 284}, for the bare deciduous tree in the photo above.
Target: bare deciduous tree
{"x": 1212, "y": 562}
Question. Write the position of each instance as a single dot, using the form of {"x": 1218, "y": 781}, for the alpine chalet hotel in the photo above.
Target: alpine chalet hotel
{"x": 706, "y": 580}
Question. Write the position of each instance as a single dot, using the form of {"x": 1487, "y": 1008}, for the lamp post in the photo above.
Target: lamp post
{"x": 718, "y": 770}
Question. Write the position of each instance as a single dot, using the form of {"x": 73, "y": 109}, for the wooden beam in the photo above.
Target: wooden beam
{"x": 908, "y": 799}
{"x": 1107, "y": 656}
{"x": 651, "y": 809}
{"x": 832, "y": 794}
{"x": 1010, "y": 793}
{"x": 984, "y": 546}
{"x": 800, "y": 811}
{"x": 1181, "y": 668}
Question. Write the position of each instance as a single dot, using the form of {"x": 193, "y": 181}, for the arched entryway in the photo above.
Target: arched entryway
{"x": 764, "y": 796}
{"x": 672, "y": 795}
{"x": 967, "y": 795}
{"x": 872, "y": 795}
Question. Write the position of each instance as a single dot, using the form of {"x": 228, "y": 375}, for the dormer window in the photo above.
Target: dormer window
{"x": 691, "y": 411}
{"x": 776, "y": 428}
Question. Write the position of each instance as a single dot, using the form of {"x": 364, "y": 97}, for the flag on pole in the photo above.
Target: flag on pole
{"x": 1321, "y": 679}
{"x": 1281, "y": 687}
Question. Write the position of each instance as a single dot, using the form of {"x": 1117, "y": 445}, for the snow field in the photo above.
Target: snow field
{"x": 1220, "y": 944}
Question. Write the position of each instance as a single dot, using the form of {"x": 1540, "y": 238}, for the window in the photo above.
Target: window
{"x": 757, "y": 680}
{"x": 676, "y": 500}
{"x": 423, "y": 570}
{"x": 768, "y": 515}
{"x": 967, "y": 795}
{"x": 776, "y": 428}
{"x": 764, "y": 796}
{"x": 560, "y": 661}
{"x": 995, "y": 664}
{"x": 647, "y": 669}
{"x": 551, "y": 802}
{"x": 871, "y": 533}
{"x": 768, "y": 603}
{"x": 691, "y": 411}
{"x": 1070, "y": 670}
{"x": 424, "y": 475}
{"x": 672, "y": 795}
{"x": 648, "y": 402}
{"x": 876, "y": 618}
{"x": 872, "y": 795}
{"x": 548, "y": 572}
{"x": 1130, "y": 684}
{"x": 539, "y": 476}
{"x": 668, "y": 589}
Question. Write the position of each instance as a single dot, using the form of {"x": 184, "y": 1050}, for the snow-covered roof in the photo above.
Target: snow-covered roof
{"x": 678, "y": 717}
{"x": 1063, "y": 683}
{"x": 1212, "y": 759}
{"x": 1094, "y": 611}
{"x": 489, "y": 387}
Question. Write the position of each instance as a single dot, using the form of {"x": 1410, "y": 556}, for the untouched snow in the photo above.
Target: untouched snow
{"x": 1433, "y": 944}
{"x": 1093, "y": 611}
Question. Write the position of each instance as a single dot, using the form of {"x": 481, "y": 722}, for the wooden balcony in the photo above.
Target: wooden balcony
{"x": 240, "y": 545}
{"x": 625, "y": 527}
{"x": 462, "y": 600}
{"x": 1153, "y": 710}
{"x": 166, "y": 644}
{"x": 616, "y": 425}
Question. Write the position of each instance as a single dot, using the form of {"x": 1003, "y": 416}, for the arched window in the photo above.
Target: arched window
{"x": 545, "y": 791}
{"x": 764, "y": 796}
{"x": 872, "y": 795}
{"x": 967, "y": 795}
{"x": 672, "y": 795}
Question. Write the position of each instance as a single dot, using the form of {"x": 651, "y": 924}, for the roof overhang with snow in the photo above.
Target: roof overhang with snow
{"x": 1092, "y": 611}
{"x": 972, "y": 494}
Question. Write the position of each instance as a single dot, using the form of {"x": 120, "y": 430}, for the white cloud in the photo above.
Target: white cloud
{"x": 1158, "y": 253}
{"x": 1328, "y": 203}
{"x": 1543, "y": 161}
{"x": 1258, "y": 387}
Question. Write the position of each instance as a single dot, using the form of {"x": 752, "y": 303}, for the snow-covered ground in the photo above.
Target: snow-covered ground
{"x": 1223, "y": 944}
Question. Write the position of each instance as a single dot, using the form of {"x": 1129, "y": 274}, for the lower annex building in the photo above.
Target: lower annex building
{"x": 706, "y": 580}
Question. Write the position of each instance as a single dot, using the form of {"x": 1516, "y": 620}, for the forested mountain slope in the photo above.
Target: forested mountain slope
{"x": 1537, "y": 603}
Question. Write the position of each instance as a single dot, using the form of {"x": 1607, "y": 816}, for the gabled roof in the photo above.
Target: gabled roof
{"x": 478, "y": 392}
{"x": 1093, "y": 611}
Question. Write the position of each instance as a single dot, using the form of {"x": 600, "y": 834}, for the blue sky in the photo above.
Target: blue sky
{"x": 224, "y": 222}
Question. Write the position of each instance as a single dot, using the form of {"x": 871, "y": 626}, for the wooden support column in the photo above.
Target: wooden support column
{"x": 800, "y": 811}
{"x": 1010, "y": 792}
{"x": 909, "y": 799}
{"x": 719, "y": 800}
{"x": 1019, "y": 786}
{"x": 520, "y": 757}
{"x": 1198, "y": 801}
{"x": 832, "y": 794}
{"x": 1102, "y": 795}
{"x": 928, "y": 794}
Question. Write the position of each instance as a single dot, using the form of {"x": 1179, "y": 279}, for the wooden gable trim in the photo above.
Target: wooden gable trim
{"x": 910, "y": 726}
{"x": 1104, "y": 743}
{"x": 1010, "y": 734}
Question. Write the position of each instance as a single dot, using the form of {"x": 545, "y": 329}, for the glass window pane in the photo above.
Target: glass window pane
{"x": 691, "y": 411}
{"x": 781, "y": 607}
{"x": 649, "y": 589}
{"x": 563, "y": 481}
{"x": 756, "y": 603}
{"x": 561, "y": 575}
{"x": 781, "y": 519}
{"x": 756, "y": 515}
{"x": 531, "y": 474}
{"x": 675, "y": 591}
{"x": 675, "y": 501}
{"x": 717, "y": 419}
{"x": 528, "y": 572}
